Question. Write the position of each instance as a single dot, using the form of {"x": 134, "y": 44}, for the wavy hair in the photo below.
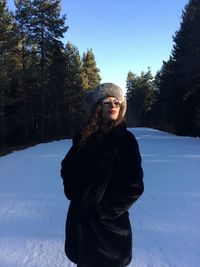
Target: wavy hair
{"x": 95, "y": 122}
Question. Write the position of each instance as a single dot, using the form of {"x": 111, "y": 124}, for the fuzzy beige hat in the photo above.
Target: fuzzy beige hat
{"x": 102, "y": 91}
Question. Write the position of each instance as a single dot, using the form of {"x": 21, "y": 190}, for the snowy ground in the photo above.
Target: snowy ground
{"x": 165, "y": 220}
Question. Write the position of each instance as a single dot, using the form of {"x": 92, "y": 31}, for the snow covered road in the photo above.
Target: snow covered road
{"x": 165, "y": 220}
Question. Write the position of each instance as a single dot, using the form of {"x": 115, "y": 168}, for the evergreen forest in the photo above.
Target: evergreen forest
{"x": 170, "y": 101}
{"x": 43, "y": 81}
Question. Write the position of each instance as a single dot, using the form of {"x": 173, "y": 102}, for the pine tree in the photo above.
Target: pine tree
{"x": 22, "y": 20}
{"x": 56, "y": 99}
{"x": 47, "y": 28}
{"x": 130, "y": 85}
{"x": 74, "y": 88}
{"x": 140, "y": 98}
{"x": 179, "y": 77}
{"x": 167, "y": 98}
{"x": 91, "y": 76}
{"x": 8, "y": 68}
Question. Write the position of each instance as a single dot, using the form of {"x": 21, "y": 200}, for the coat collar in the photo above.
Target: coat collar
{"x": 111, "y": 138}
{"x": 116, "y": 132}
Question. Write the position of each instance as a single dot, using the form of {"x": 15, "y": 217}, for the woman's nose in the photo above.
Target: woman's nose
{"x": 112, "y": 105}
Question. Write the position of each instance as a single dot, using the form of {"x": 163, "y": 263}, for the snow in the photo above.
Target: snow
{"x": 165, "y": 221}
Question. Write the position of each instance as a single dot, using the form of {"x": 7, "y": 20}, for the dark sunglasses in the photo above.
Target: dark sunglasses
{"x": 110, "y": 103}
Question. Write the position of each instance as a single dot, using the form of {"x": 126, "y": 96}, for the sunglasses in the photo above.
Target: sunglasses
{"x": 110, "y": 103}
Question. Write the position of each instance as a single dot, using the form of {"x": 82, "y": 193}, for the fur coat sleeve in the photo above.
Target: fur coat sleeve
{"x": 68, "y": 169}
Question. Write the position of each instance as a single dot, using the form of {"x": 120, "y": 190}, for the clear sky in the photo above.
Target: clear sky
{"x": 124, "y": 35}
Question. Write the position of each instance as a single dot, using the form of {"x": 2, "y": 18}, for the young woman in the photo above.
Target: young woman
{"x": 103, "y": 177}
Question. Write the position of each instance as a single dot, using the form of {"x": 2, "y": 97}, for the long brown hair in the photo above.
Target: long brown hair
{"x": 95, "y": 122}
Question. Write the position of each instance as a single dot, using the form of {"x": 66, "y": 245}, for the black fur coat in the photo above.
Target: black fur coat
{"x": 102, "y": 178}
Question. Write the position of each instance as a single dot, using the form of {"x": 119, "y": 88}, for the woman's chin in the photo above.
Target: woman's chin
{"x": 113, "y": 118}
{"x": 110, "y": 119}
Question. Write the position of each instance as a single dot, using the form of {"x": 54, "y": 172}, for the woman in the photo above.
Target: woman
{"x": 103, "y": 177}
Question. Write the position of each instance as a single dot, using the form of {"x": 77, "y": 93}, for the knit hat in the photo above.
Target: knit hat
{"x": 102, "y": 91}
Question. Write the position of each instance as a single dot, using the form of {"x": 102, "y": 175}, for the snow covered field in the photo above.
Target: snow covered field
{"x": 165, "y": 221}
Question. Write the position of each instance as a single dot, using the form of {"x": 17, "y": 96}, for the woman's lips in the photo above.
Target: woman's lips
{"x": 111, "y": 111}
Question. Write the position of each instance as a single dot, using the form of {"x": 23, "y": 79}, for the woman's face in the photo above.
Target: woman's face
{"x": 110, "y": 109}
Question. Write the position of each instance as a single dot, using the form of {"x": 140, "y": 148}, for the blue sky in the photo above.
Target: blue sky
{"x": 124, "y": 35}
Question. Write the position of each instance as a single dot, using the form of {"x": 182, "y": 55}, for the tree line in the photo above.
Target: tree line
{"x": 170, "y": 101}
{"x": 43, "y": 81}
